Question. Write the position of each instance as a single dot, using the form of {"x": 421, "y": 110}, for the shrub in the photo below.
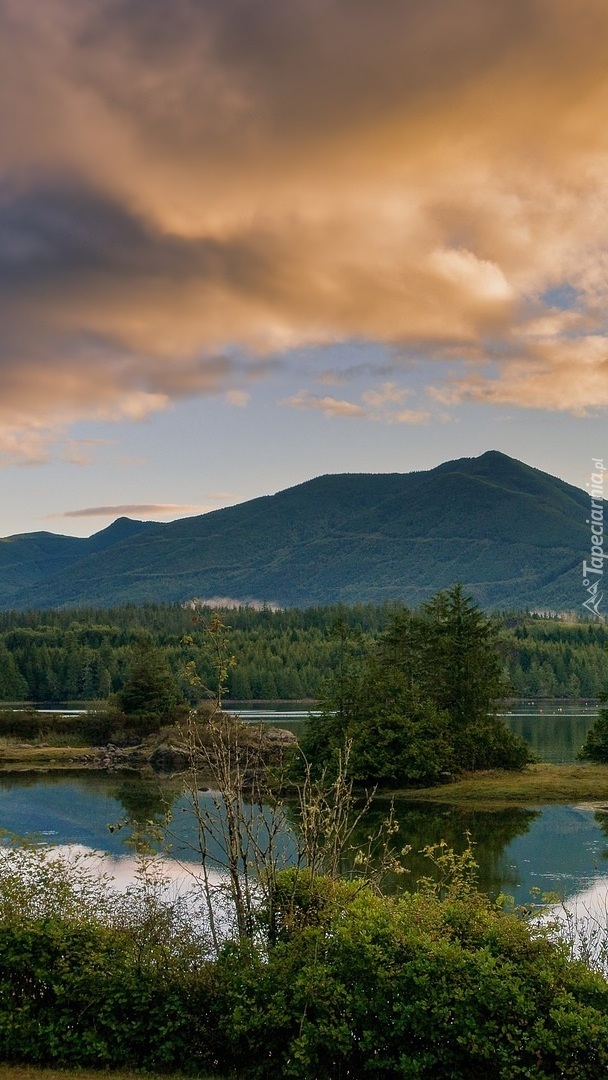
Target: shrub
{"x": 438, "y": 984}
{"x": 416, "y": 987}
{"x": 90, "y": 976}
{"x": 78, "y": 996}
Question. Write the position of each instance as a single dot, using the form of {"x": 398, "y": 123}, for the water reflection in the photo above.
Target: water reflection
{"x": 145, "y": 799}
{"x": 555, "y": 848}
{"x": 554, "y": 736}
{"x": 491, "y": 833}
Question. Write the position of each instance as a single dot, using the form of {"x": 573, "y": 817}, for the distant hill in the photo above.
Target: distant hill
{"x": 515, "y": 536}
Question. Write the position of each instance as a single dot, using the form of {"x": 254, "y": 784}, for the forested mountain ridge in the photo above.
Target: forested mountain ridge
{"x": 513, "y": 535}
{"x": 29, "y": 558}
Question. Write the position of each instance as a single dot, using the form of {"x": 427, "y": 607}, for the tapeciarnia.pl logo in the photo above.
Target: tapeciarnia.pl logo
{"x": 593, "y": 571}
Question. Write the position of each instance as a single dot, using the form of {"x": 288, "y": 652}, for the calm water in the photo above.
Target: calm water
{"x": 561, "y": 849}
{"x": 555, "y": 730}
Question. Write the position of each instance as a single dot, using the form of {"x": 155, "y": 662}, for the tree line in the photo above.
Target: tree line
{"x": 83, "y": 654}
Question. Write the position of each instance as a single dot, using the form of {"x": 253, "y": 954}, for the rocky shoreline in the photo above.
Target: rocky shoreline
{"x": 165, "y": 758}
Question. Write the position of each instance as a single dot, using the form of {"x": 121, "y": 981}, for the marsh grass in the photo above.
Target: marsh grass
{"x": 535, "y": 784}
{"x": 18, "y": 757}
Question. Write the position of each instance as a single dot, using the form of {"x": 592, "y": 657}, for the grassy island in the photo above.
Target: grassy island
{"x": 535, "y": 784}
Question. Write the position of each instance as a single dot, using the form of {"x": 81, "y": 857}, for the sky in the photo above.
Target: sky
{"x": 246, "y": 243}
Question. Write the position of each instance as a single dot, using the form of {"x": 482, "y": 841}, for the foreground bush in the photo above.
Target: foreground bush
{"x": 418, "y": 987}
{"x": 354, "y": 985}
{"x": 90, "y": 976}
{"x": 80, "y": 996}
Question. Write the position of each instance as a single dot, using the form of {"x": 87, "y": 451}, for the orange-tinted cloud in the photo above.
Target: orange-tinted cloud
{"x": 186, "y": 182}
{"x": 379, "y": 405}
{"x": 329, "y": 406}
{"x": 138, "y": 510}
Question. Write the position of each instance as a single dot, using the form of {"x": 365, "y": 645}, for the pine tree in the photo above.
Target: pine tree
{"x": 149, "y": 686}
{"x": 463, "y": 670}
{"x": 595, "y": 747}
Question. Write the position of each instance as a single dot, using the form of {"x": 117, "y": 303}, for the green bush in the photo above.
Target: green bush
{"x": 439, "y": 984}
{"x": 409, "y": 989}
{"x": 94, "y": 977}
{"x": 78, "y": 996}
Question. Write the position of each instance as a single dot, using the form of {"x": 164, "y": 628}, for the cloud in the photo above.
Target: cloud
{"x": 80, "y": 451}
{"x": 567, "y": 376}
{"x": 341, "y": 376}
{"x": 138, "y": 510}
{"x": 329, "y": 406}
{"x": 238, "y": 398}
{"x": 190, "y": 190}
{"x": 387, "y": 394}
{"x": 412, "y": 416}
{"x": 378, "y": 405}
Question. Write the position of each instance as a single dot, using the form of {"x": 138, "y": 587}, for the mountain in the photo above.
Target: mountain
{"x": 513, "y": 535}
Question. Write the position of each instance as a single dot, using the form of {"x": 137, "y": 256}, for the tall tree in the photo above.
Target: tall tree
{"x": 150, "y": 688}
{"x": 421, "y": 702}
{"x": 463, "y": 671}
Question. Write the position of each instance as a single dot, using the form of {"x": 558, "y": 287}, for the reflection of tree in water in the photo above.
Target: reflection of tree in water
{"x": 601, "y": 816}
{"x": 491, "y": 832}
{"x": 149, "y": 800}
{"x": 145, "y": 799}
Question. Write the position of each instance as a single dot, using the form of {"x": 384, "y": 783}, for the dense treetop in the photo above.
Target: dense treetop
{"x": 83, "y": 654}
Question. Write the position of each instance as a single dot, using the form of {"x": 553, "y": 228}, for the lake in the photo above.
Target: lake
{"x": 562, "y": 849}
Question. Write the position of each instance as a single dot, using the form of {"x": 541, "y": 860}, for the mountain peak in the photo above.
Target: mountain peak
{"x": 513, "y": 535}
{"x": 122, "y": 529}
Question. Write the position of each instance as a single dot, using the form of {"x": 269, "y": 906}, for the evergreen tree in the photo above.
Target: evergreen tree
{"x": 13, "y": 686}
{"x": 595, "y": 747}
{"x": 462, "y": 671}
{"x": 150, "y": 689}
{"x": 421, "y": 702}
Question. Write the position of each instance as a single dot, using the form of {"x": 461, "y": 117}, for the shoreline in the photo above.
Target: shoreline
{"x": 534, "y": 785}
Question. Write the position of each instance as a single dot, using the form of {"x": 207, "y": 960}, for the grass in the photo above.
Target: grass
{"x": 20, "y": 757}
{"x": 31, "y": 757}
{"x": 534, "y": 784}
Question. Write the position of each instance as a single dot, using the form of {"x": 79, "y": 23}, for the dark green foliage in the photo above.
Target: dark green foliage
{"x": 149, "y": 688}
{"x": 354, "y": 984}
{"x": 13, "y": 686}
{"x": 458, "y": 660}
{"x": 419, "y": 704}
{"x": 79, "y": 655}
{"x": 514, "y": 534}
{"x": 359, "y": 985}
{"x": 150, "y": 694}
{"x": 595, "y": 747}
{"x": 56, "y": 653}
{"x": 396, "y": 736}
{"x": 82, "y": 995}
